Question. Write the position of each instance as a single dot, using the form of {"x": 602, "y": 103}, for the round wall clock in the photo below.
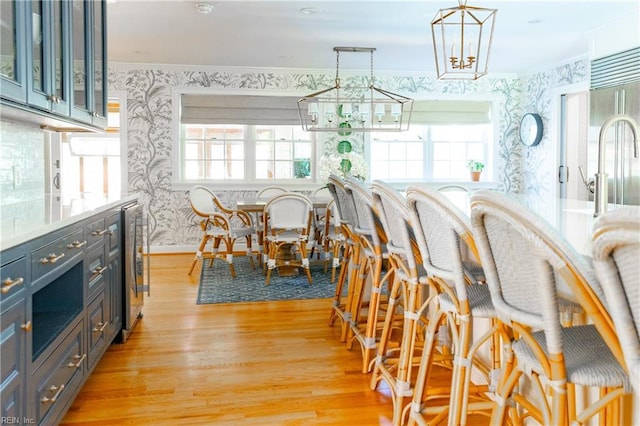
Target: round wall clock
{"x": 531, "y": 129}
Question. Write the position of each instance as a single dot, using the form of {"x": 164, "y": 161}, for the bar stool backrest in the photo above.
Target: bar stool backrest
{"x": 616, "y": 255}
{"x": 396, "y": 221}
{"x": 526, "y": 262}
{"x": 441, "y": 231}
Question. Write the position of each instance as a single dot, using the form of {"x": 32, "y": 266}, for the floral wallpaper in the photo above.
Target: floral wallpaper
{"x": 149, "y": 127}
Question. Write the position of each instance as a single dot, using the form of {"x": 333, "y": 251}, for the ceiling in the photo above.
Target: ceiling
{"x": 528, "y": 35}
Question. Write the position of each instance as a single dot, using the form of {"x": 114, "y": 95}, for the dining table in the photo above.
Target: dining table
{"x": 255, "y": 205}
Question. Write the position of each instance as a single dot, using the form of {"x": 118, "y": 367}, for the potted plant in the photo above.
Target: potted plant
{"x": 475, "y": 167}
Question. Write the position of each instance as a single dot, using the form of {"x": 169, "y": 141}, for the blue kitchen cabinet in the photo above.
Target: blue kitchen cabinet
{"x": 54, "y": 62}
{"x": 61, "y": 306}
{"x": 13, "y": 51}
{"x": 89, "y": 58}
{"x": 48, "y": 53}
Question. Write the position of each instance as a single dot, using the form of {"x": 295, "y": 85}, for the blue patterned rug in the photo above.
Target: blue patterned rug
{"x": 217, "y": 286}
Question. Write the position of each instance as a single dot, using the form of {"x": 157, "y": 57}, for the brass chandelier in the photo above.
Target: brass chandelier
{"x": 354, "y": 108}
{"x": 461, "y": 41}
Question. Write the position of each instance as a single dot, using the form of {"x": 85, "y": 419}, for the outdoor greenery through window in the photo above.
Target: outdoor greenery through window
{"x": 246, "y": 152}
{"x": 430, "y": 152}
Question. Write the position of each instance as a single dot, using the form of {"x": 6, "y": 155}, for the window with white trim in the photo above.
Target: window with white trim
{"x": 442, "y": 138}
{"x": 265, "y": 143}
{"x": 222, "y": 152}
{"x": 437, "y": 152}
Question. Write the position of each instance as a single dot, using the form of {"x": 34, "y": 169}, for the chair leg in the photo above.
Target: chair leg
{"x": 271, "y": 262}
{"x": 198, "y": 255}
{"x": 305, "y": 261}
{"x": 342, "y": 276}
{"x": 357, "y": 299}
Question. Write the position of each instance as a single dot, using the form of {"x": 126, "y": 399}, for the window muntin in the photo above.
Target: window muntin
{"x": 214, "y": 152}
{"x": 430, "y": 152}
{"x": 221, "y": 152}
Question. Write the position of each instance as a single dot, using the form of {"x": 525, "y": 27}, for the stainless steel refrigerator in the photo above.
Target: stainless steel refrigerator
{"x": 622, "y": 168}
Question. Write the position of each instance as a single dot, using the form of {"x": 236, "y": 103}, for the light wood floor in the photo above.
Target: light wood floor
{"x": 269, "y": 363}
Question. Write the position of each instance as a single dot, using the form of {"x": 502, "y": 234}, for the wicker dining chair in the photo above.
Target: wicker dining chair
{"x": 400, "y": 345}
{"x": 449, "y": 255}
{"x": 616, "y": 256}
{"x": 367, "y": 304}
{"x": 527, "y": 264}
{"x": 265, "y": 193}
{"x": 287, "y": 223}
{"x": 220, "y": 225}
{"x": 344, "y": 204}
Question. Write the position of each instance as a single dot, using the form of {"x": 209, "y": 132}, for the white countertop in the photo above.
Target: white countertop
{"x": 573, "y": 219}
{"x": 21, "y": 222}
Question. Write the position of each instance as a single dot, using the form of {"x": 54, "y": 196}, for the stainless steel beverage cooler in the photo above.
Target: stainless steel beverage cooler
{"x": 134, "y": 268}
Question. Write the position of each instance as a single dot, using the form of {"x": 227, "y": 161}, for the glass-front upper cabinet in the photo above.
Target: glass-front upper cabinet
{"x": 48, "y": 55}
{"x": 89, "y": 61}
{"x": 13, "y": 76}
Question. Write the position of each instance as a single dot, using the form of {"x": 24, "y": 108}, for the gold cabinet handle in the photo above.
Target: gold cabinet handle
{"x": 53, "y": 399}
{"x": 98, "y": 270}
{"x": 26, "y": 326}
{"x": 76, "y": 244}
{"x": 78, "y": 362}
{"x": 52, "y": 258}
{"x": 8, "y": 284}
{"x": 99, "y": 233}
{"x": 100, "y": 327}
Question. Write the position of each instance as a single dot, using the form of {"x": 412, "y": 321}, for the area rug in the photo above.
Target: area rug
{"x": 217, "y": 285}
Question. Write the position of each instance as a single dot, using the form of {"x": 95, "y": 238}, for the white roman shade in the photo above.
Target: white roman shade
{"x": 239, "y": 109}
{"x": 451, "y": 112}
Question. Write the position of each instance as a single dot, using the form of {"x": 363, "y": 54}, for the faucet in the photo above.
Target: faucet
{"x": 602, "y": 180}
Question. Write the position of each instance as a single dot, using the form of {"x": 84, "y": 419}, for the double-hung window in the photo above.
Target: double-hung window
{"x": 442, "y": 138}
{"x": 267, "y": 143}
{"x": 246, "y": 152}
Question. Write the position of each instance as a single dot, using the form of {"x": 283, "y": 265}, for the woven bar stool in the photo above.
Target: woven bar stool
{"x": 616, "y": 250}
{"x": 409, "y": 295}
{"x": 444, "y": 237}
{"x": 526, "y": 262}
{"x": 367, "y": 315}
{"x": 344, "y": 204}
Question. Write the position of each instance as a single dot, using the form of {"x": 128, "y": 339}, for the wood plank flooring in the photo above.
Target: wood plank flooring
{"x": 268, "y": 363}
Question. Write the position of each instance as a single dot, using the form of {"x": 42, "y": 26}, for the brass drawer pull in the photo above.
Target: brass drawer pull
{"x": 98, "y": 270}
{"x": 100, "y": 327}
{"x": 26, "y": 326}
{"x": 52, "y": 258}
{"x": 53, "y": 399}
{"x": 99, "y": 233}
{"x": 8, "y": 284}
{"x": 78, "y": 362}
{"x": 76, "y": 244}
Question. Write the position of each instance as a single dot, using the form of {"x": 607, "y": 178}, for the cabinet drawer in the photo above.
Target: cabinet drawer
{"x": 96, "y": 232}
{"x": 14, "y": 332}
{"x": 98, "y": 326}
{"x": 113, "y": 226}
{"x": 56, "y": 382}
{"x": 96, "y": 269}
{"x": 56, "y": 253}
{"x": 13, "y": 276}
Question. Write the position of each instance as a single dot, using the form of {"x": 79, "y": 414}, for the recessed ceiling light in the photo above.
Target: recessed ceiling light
{"x": 204, "y": 8}
{"x": 309, "y": 10}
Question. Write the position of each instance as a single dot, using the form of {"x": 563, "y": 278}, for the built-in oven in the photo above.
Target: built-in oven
{"x": 134, "y": 282}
